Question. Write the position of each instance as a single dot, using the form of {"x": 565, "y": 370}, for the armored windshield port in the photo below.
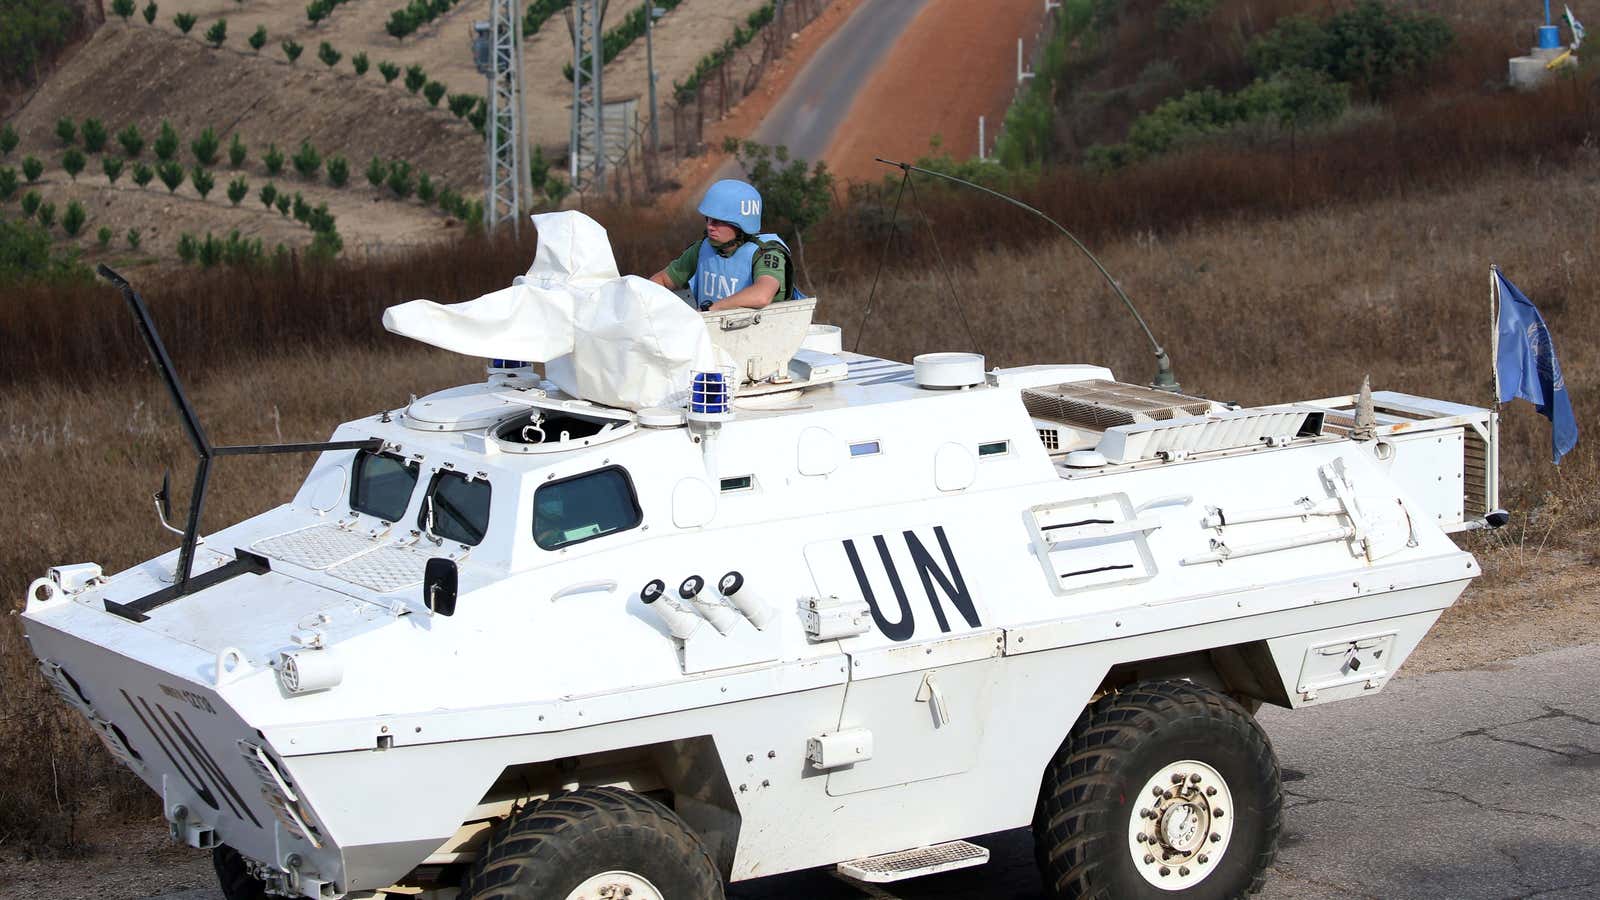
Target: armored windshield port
{"x": 439, "y": 581}
{"x": 691, "y": 586}
{"x": 652, "y": 592}
{"x": 729, "y": 584}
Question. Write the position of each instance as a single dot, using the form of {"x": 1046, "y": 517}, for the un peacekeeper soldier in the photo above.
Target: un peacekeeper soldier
{"x": 735, "y": 265}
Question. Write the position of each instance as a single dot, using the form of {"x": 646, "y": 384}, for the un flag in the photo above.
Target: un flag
{"x": 1526, "y": 365}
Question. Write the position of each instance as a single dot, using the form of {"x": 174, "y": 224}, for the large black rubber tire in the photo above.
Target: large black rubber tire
{"x": 547, "y": 850}
{"x": 236, "y": 880}
{"x": 1080, "y": 826}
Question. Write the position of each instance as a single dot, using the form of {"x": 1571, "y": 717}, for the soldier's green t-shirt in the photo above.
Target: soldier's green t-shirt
{"x": 768, "y": 262}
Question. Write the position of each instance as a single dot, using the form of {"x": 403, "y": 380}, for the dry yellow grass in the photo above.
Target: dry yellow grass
{"x": 1252, "y": 310}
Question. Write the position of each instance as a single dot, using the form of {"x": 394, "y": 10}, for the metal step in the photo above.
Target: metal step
{"x": 918, "y": 861}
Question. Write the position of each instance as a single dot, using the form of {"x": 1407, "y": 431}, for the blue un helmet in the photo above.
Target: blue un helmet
{"x": 735, "y": 202}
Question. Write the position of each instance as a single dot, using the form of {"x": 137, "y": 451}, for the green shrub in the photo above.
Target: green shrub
{"x": 329, "y": 56}
{"x": 273, "y": 160}
{"x": 320, "y": 219}
{"x": 257, "y": 38}
{"x": 325, "y": 246}
{"x": 237, "y": 189}
{"x": 282, "y": 203}
{"x": 8, "y": 140}
{"x": 1175, "y": 15}
{"x": 267, "y": 194}
{"x": 186, "y": 247}
{"x": 359, "y": 63}
{"x": 632, "y": 26}
{"x": 415, "y": 78}
{"x": 307, "y": 161}
{"x": 338, "y": 171}
{"x": 32, "y": 168}
{"x": 184, "y": 21}
{"x": 27, "y": 254}
{"x": 150, "y": 13}
{"x": 166, "y": 145}
{"x": 132, "y": 141}
{"x": 389, "y": 71}
{"x": 133, "y": 238}
{"x": 292, "y": 50}
{"x": 236, "y": 152}
{"x": 8, "y": 183}
{"x": 538, "y": 11}
{"x": 376, "y": 172}
{"x": 433, "y": 92}
{"x": 205, "y": 147}
{"x": 447, "y": 200}
{"x": 66, "y": 131}
{"x": 73, "y": 161}
{"x": 171, "y": 175}
{"x": 112, "y": 166}
{"x": 461, "y": 104}
{"x": 399, "y": 178}
{"x": 30, "y": 203}
{"x": 217, "y": 33}
{"x": 94, "y": 135}
{"x": 793, "y": 193}
{"x": 104, "y": 235}
{"x": 1371, "y": 46}
{"x": 202, "y": 180}
{"x": 72, "y": 220}
{"x": 142, "y": 174}
{"x": 302, "y": 209}
{"x": 123, "y": 9}
{"x": 317, "y": 10}
{"x": 46, "y": 215}
{"x": 479, "y": 116}
{"x": 425, "y": 189}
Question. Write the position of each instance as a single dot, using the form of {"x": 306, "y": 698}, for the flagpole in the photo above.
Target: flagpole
{"x": 1494, "y": 331}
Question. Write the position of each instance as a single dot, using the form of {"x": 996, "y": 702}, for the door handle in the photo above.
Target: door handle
{"x": 930, "y": 694}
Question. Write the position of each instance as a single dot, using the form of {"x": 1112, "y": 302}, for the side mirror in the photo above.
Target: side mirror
{"x": 439, "y": 586}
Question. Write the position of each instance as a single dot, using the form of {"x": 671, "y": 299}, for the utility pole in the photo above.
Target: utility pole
{"x": 651, "y": 13}
{"x": 497, "y": 51}
{"x": 588, "y": 157}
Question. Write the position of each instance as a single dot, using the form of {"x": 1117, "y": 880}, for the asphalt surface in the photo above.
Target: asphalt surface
{"x": 1479, "y": 785}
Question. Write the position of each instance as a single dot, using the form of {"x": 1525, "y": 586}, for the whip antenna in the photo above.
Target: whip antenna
{"x": 1164, "y": 379}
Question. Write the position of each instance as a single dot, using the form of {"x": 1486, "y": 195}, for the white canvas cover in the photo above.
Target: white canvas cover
{"x": 613, "y": 339}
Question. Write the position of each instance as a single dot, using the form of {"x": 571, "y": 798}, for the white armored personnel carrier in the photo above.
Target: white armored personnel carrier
{"x": 510, "y": 641}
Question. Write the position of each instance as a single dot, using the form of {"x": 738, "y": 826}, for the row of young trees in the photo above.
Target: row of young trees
{"x": 618, "y": 37}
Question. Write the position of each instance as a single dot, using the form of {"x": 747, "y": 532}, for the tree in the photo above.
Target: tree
{"x": 187, "y": 247}
{"x": 123, "y": 9}
{"x": 184, "y": 21}
{"x": 257, "y": 38}
{"x": 415, "y": 78}
{"x": 317, "y": 10}
{"x": 142, "y": 174}
{"x": 32, "y": 168}
{"x": 205, "y": 147}
{"x": 292, "y": 50}
{"x": 329, "y": 56}
{"x": 389, "y": 71}
{"x": 149, "y": 13}
{"x": 8, "y": 183}
{"x": 66, "y": 131}
{"x": 46, "y": 215}
{"x": 433, "y": 92}
{"x": 338, "y": 171}
{"x": 104, "y": 235}
{"x": 94, "y": 135}
{"x": 132, "y": 141}
{"x": 461, "y": 104}
{"x": 376, "y": 172}
{"x": 237, "y": 188}
{"x": 112, "y": 166}
{"x": 166, "y": 145}
{"x": 72, "y": 161}
{"x": 307, "y": 161}
{"x": 399, "y": 178}
{"x": 425, "y": 189}
{"x": 217, "y": 33}
{"x": 30, "y": 203}
{"x": 72, "y": 220}
{"x": 8, "y": 139}
{"x": 359, "y": 63}
{"x": 202, "y": 180}
{"x": 236, "y": 152}
{"x": 268, "y": 193}
{"x": 282, "y": 204}
{"x": 171, "y": 175}
{"x": 400, "y": 24}
{"x": 273, "y": 159}
{"x": 133, "y": 237}
{"x": 302, "y": 209}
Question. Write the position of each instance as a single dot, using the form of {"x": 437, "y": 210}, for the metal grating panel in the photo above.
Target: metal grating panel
{"x": 1102, "y": 404}
{"x": 1475, "y": 481}
{"x": 388, "y": 568}
{"x": 902, "y": 864}
{"x": 316, "y": 547}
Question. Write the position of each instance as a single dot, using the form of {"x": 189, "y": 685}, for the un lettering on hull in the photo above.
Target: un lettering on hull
{"x": 911, "y": 578}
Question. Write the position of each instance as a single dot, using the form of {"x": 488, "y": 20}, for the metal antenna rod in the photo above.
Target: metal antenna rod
{"x": 1164, "y": 379}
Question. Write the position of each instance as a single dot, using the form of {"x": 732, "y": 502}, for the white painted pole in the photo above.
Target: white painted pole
{"x": 981, "y": 144}
{"x": 1494, "y": 330}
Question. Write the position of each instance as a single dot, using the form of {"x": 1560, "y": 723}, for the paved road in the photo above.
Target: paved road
{"x": 1480, "y": 785}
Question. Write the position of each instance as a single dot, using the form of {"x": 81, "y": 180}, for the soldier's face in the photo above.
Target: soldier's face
{"x": 720, "y": 232}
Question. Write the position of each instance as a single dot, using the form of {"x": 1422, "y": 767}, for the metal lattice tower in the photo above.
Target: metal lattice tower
{"x": 497, "y": 47}
{"x": 588, "y": 166}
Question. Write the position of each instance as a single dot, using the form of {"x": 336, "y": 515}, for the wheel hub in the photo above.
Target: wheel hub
{"x": 1180, "y": 825}
{"x": 616, "y": 885}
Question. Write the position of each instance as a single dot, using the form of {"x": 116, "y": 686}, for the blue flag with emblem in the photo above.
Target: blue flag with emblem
{"x": 1526, "y": 365}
